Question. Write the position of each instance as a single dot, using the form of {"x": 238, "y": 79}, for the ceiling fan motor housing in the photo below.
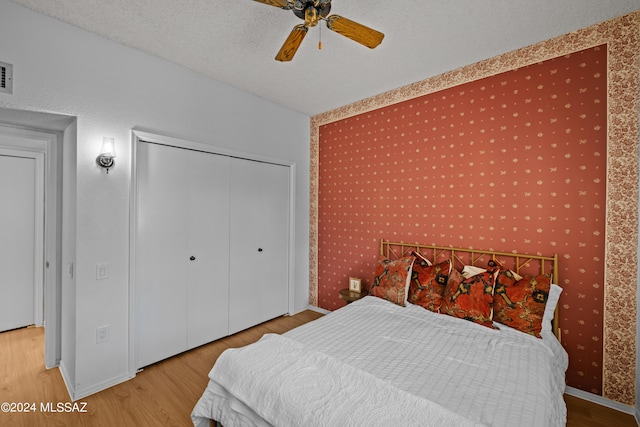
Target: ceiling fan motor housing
{"x": 311, "y": 11}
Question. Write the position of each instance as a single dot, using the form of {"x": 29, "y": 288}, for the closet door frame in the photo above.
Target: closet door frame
{"x": 140, "y": 135}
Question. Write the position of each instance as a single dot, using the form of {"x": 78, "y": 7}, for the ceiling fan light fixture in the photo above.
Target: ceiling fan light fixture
{"x": 311, "y": 16}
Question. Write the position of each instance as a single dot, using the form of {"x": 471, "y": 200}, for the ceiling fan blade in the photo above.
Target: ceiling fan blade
{"x": 357, "y": 32}
{"x": 283, "y": 4}
{"x": 292, "y": 43}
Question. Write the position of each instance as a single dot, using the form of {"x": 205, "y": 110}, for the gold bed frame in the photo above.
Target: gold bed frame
{"x": 520, "y": 263}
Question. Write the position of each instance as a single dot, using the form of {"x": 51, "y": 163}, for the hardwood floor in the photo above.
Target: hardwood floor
{"x": 165, "y": 393}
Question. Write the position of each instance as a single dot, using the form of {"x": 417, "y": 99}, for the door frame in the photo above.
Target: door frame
{"x": 138, "y": 135}
{"x": 43, "y": 147}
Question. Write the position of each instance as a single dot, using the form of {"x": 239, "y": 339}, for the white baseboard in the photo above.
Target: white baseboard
{"x": 318, "y": 309}
{"x": 65, "y": 378}
{"x": 76, "y": 394}
{"x": 95, "y": 388}
{"x": 599, "y": 400}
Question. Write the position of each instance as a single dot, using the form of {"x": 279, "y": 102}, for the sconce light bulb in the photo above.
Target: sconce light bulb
{"x": 108, "y": 147}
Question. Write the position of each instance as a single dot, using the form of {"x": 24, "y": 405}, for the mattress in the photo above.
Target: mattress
{"x": 492, "y": 377}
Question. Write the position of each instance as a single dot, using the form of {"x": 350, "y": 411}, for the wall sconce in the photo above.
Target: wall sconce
{"x": 107, "y": 154}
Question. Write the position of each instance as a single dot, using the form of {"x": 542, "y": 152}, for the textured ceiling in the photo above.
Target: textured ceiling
{"x": 235, "y": 41}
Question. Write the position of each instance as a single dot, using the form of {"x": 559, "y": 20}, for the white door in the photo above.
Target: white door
{"x": 17, "y": 241}
{"x": 182, "y": 240}
{"x": 259, "y": 264}
{"x": 208, "y": 291}
{"x": 161, "y": 304}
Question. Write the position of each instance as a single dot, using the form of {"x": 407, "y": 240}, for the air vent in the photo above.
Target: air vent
{"x": 6, "y": 78}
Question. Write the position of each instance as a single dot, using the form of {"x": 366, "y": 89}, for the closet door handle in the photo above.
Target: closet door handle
{"x": 192, "y": 258}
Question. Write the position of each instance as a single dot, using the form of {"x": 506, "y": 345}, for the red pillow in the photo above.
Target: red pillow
{"x": 390, "y": 279}
{"x": 520, "y": 303}
{"x": 470, "y": 298}
{"x": 428, "y": 283}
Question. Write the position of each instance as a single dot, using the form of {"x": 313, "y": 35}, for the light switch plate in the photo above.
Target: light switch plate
{"x": 102, "y": 271}
{"x": 102, "y": 334}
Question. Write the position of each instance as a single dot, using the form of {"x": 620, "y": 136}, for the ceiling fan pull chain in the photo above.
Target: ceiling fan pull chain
{"x": 320, "y": 41}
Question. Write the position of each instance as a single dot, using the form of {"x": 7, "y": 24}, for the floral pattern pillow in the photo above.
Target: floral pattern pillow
{"x": 428, "y": 283}
{"x": 391, "y": 279}
{"x": 470, "y": 298}
{"x": 521, "y": 303}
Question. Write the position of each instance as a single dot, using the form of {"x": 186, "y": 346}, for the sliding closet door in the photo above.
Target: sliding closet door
{"x": 182, "y": 241}
{"x": 208, "y": 291}
{"x": 161, "y": 244}
{"x": 259, "y": 223}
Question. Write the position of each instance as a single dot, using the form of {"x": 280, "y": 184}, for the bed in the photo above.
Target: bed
{"x": 389, "y": 358}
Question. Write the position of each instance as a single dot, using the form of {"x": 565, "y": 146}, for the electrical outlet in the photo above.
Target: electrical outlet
{"x": 102, "y": 334}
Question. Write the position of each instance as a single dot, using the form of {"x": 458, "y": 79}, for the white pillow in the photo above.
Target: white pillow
{"x": 549, "y": 310}
{"x": 472, "y": 270}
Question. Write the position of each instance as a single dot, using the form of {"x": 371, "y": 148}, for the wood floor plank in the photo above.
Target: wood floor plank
{"x": 583, "y": 413}
{"x": 164, "y": 393}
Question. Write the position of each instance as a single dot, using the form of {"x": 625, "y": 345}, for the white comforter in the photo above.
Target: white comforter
{"x": 449, "y": 367}
{"x": 287, "y": 384}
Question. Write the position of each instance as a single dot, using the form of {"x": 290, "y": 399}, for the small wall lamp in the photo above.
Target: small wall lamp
{"x": 107, "y": 154}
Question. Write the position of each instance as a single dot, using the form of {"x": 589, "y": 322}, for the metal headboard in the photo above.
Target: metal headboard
{"x": 520, "y": 263}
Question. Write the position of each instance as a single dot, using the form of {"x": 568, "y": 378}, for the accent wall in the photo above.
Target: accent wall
{"x": 513, "y": 162}
{"x": 518, "y": 160}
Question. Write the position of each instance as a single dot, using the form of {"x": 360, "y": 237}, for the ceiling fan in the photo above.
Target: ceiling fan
{"x": 312, "y": 12}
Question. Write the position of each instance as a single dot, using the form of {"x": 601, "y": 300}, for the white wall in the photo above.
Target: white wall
{"x": 111, "y": 89}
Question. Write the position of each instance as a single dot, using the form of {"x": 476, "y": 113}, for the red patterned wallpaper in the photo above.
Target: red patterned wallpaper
{"x": 512, "y": 162}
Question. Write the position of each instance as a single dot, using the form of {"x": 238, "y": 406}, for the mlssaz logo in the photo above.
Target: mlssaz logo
{"x": 63, "y": 407}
